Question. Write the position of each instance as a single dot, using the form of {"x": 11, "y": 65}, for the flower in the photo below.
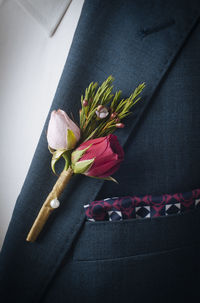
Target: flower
{"x": 99, "y": 157}
{"x": 102, "y": 112}
{"x": 62, "y": 132}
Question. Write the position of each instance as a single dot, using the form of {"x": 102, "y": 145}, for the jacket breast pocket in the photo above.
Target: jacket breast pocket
{"x": 104, "y": 240}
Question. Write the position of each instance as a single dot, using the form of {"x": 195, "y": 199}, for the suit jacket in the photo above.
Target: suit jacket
{"x": 150, "y": 260}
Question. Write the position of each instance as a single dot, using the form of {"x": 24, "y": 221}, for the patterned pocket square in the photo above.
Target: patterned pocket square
{"x": 146, "y": 206}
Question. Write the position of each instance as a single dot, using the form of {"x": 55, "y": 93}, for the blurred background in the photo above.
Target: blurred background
{"x": 35, "y": 37}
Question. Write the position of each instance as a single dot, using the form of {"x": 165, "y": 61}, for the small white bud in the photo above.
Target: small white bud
{"x": 102, "y": 113}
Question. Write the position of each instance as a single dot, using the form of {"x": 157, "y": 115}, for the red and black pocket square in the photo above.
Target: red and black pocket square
{"x": 146, "y": 206}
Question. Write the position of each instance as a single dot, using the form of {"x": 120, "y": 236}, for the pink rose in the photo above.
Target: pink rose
{"x": 62, "y": 132}
{"x": 106, "y": 152}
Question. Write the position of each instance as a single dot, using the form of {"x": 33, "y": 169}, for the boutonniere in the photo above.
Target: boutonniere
{"x": 90, "y": 148}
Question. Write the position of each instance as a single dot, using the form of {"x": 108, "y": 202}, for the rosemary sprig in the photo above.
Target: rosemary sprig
{"x": 102, "y": 97}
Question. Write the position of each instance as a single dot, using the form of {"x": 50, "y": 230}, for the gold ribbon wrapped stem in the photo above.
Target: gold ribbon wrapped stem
{"x": 46, "y": 209}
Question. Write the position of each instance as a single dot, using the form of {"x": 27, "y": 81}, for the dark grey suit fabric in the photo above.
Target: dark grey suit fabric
{"x": 146, "y": 260}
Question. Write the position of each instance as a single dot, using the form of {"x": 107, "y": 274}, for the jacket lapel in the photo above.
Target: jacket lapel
{"x": 37, "y": 262}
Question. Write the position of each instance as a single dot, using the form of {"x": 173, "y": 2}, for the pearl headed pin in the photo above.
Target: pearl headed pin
{"x": 55, "y": 203}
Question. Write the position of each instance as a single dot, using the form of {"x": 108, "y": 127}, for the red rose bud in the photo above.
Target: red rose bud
{"x": 105, "y": 155}
{"x": 85, "y": 102}
{"x": 119, "y": 125}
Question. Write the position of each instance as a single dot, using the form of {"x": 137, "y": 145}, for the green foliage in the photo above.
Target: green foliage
{"x": 77, "y": 154}
{"x": 83, "y": 166}
{"x": 57, "y": 154}
{"x": 71, "y": 139}
{"x": 93, "y": 127}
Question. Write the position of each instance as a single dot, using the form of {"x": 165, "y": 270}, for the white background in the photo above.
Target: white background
{"x": 31, "y": 64}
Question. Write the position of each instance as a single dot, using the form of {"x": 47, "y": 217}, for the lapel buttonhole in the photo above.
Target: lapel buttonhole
{"x": 156, "y": 28}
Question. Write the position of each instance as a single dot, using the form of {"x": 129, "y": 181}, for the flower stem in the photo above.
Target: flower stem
{"x": 46, "y": 209}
